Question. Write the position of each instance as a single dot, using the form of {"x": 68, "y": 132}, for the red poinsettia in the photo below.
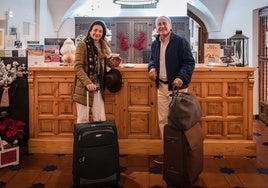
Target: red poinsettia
{"x": 123, "y": 41}
{"x": 11, "y": 130}
{"x": 139, "y": 43}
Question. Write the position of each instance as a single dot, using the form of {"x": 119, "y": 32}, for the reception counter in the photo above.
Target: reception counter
{"x": 225, "y": 95}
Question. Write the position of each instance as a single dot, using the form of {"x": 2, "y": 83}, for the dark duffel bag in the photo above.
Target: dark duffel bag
{"x": 184, "y": 110}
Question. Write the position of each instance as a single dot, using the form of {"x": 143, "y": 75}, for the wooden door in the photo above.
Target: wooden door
{"x": 263, "y": 65}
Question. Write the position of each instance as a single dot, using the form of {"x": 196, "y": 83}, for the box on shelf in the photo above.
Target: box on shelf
{"x": 9, "y": 156}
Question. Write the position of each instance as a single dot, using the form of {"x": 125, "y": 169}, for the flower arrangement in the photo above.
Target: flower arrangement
{"x": 139, "y": 43}
{"x": 11, "y": 130}
{"x": 9, "y": 73}
{"x": 108, "y": 35}
{"x": 154, "y": 34}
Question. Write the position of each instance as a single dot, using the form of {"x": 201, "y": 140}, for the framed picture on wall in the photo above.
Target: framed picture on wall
{"x": 9, "y": 42}
{"x": 2, "y": 40}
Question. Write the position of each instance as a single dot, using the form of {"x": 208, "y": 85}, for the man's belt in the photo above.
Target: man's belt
{"x": 164, "y": 82}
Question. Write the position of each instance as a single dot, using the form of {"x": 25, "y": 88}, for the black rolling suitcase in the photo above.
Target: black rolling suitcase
{"x": 183, "y": 155}
{"x": 96, "y": 154}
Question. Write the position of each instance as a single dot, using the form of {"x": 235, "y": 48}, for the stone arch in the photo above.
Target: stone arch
{"x": 195, "y": 6}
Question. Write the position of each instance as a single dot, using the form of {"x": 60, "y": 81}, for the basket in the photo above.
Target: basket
{"x": 9, "y": 156}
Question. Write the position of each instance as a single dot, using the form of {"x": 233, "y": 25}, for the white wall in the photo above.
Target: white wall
{"x": 22, "y": 12}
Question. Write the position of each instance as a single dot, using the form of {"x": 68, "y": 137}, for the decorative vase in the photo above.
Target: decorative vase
{"x": 5, "y": 98}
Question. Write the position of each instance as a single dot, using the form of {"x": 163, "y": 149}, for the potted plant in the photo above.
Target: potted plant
{"x": 11, "y": 130}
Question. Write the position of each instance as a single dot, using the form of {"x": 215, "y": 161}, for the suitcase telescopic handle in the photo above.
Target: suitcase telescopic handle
{"x": 97, "y": 89}
{"x": 87, "y": 105}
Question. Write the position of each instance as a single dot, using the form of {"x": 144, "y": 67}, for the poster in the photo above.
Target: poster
{"x": 2, "y": 34}
{"x": 211, "y": 53}
{"x": 35, "y": 55}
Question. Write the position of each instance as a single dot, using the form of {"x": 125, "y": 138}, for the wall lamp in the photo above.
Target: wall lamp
{"x": 135, "y": 2}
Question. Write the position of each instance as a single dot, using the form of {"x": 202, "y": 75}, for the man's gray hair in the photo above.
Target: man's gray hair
{"x": 163, "y": 17}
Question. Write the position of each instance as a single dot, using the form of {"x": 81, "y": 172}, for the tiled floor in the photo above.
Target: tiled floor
{"x": 55, "y": 171}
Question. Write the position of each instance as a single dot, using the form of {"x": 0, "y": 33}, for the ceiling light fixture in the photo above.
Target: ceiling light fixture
{"x": 135, "y": 2}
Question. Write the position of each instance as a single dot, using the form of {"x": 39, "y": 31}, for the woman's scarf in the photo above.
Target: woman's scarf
{"x": 96, "y": 60}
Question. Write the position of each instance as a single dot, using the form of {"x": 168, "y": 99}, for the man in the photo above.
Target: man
{"x": 171, "y": 63}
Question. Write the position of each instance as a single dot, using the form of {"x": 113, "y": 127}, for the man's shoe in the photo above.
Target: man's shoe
{"x": 159, "y": 160}
{"x": 156, "y": 161}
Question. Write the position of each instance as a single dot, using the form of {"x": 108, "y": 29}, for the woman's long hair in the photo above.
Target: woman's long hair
{"x": 105, "y": 48}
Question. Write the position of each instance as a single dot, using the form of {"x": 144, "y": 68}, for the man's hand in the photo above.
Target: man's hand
{"x": 178, "y": 82}
{"x": 152, "y": 74}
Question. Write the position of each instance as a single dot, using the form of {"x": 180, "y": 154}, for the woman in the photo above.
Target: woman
{"x": 92, "y": 56}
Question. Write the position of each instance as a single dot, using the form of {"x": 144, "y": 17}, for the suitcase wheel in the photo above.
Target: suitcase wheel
{"x": 115, "y": 186}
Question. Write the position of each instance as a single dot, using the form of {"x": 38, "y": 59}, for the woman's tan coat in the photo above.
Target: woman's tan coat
{"x": 81, "y": 77}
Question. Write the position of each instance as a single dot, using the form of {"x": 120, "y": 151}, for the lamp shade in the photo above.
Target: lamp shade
{"x": 135, "y": 2}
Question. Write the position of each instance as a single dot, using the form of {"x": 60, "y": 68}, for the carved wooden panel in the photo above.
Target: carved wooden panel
{"x": 214, "y": 129}
{"x": 138, "y": 110}
{"x": 235, "y": 108}
{"x": 46, "y": 107}
{"x": 214, "y": 109}
{"x": 46, "y": 127}
{"x": 214, "y": 89}
{"x": 196, "y": 88}
{"x": 65, "y": 89}
{"x": 139, "y": 93}
{"x": 66, "y": 108}
{"x": 234, "y": 128}
{"x": 235, "y": 89}
{"x": 139, "y": 123}
{"x": 66, "y": 126}
{"x": 45, "y": 89}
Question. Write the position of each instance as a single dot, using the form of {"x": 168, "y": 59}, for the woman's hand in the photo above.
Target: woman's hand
{"x": 92, "y": 87}
{"x": 114, "y": 61}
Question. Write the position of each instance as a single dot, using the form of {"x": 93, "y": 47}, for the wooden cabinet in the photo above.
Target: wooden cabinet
{"x": 52, "y": 112}
{"x": 225, "y": 95}
{"x": 226, "y": 98}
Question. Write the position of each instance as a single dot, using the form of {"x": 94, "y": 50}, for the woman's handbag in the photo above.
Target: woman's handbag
{"x": 184, "y": 110}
